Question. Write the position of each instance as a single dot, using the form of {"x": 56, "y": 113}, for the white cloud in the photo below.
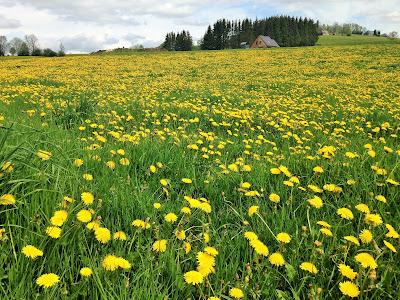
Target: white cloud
{"x": 6, "y": 23}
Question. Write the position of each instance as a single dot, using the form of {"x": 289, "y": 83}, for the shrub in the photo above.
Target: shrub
{"x": 37, "y": 52}
{"x": 49, "y": 53}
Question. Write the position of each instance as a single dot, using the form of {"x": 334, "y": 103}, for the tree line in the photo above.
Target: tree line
{"x": 29, "y": 46}
{"x": 286, "y": 31}
{"x": 181, "y": 41}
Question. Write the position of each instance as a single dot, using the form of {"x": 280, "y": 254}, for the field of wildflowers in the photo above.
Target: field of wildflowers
{"x": 265, "y": 174}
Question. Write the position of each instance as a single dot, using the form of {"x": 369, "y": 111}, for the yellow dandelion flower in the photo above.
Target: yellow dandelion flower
{"x": 164, "y": 182}
{"x": 276, "y": 259}
{"x": 211, "y": 251}
{"x": 363, "y": 208}
{"x": 119, "y": 235}
{"x": 245, "y": 185}
{"x": 186, "y": 210}
{"x": 87, "y": 198}
{"x": 121, "y": 151}
{"x": 323, "y": 223}
{"x": 316, "y": 202}
{"x": 123, "y": 263}
{"x": 352, "y": 239}
{"x": 380, "y": 198}
{"x": 329, "y": 187}
{"x": 110, "y": 262}
{"x": 205, "y": 270}
{"x": 366, "y": 260}
{"x": 351, "y": 182}
{"x": 187, "y": 247}
{"x": 391, "y": 181}
{"x": 153, "y": 169}
{"x": 53, "y": 231}
{"x": 206, "y": 207}
{"x": 124, "y": 161}
{"x": 392, "y": 232}
{"x": 85, "y": 272}
{"x": 78, "y": 162}
{"x": 315, "y": 189}
{"x": 44, "y": 155}
{"x": 274, "y": 198}
{"x": 213, "y": 298}
{"x": 318, "y": 169}
{"x": 233, "y": 167}
{"x": 347, "y": 271}
{"x": 186, "y": 180}
{"x": 250, "y": 235}
{"x": 390, "y": 246}
{"x": 349, "y": 289}
{"x": 84, "y": 216}
{"x": 7, "y": 199}
{"x": 285, "y": 171}
{"x": 259, "y": 247}
{"x": 283, "y": 237}
{"x": 47, "y": 280}
{"x": 345, "y": 213}
{"x": 59, "y": 218}
{"x": 236, "y": 293}
{"x": 371, "y": 153}
{"x": 103, "y": 235}
{"x": 365, "y": 236}
{"x": 180, "y": 234}
{"x": 171, "y": 217}
{"x": 110, "y": 164}
{"x": 252, "y": 194}
{"x": 252, "y": 210}
{"x": 373, "y": 219}
{"x": 275, "y": 171}
{"x": 288, "y": 183}
{"x": 309, "y": 267}
{"x": 87, "y": 177}
{"x": 93, "y": 225}
{"x": 193, "y": 277}
{"x": 326, "y": 231}
{"x": 160, "y": 246}
{"x": 206, "y": 237}
{"x": 156, "y": 205}
{"x": 205, "y": 259}
{"x": 31, "y": 251}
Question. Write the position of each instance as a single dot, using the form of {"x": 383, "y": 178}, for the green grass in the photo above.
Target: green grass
{"x": 355, "y": 39}
{"x": 263, "y": 109}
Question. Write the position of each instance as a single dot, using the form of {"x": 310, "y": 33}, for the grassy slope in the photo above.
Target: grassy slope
{"x": 338, "y": 40}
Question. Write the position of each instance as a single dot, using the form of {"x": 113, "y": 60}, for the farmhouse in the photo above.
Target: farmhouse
{"x": 263, "y": 41}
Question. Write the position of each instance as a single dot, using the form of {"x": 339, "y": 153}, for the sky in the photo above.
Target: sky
{"x": 83, "y": 26}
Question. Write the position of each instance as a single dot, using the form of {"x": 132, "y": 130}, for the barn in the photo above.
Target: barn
{"x": 263, "y": 41}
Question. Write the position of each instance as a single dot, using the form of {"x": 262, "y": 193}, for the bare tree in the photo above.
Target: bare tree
{"x": 393, "y": 35}
{"x": 3, "y": 45}
{"x": 16, "y": 44}
{"x": 32, "y": 42}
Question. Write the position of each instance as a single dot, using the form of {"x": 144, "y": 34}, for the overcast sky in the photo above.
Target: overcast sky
{"x": 89, "y": 25}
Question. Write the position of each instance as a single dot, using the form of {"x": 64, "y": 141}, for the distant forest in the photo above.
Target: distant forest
{"x": 286, "y": 31}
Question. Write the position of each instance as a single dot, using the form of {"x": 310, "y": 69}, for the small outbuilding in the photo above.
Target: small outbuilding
{"x": 263, "y": 41}
{"x": 244, "y": 45}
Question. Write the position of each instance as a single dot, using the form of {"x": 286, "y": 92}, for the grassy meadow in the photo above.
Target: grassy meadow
{"x": 246, "y": 174}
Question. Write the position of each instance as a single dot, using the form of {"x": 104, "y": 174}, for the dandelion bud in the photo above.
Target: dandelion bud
{"x": 237, "y": 277}
{"x": 372, "y": 274}
{"x": 310, "y": 285}
{"x": 344, "y": 248}
{"x": 246, "y": 279}
{"x": 319, "y": 290}
{"x": 317, "y": 243}
{"x": 304, "y": 228}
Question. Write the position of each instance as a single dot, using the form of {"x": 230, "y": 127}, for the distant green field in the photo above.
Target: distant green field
{"x": 338, "y": 40}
